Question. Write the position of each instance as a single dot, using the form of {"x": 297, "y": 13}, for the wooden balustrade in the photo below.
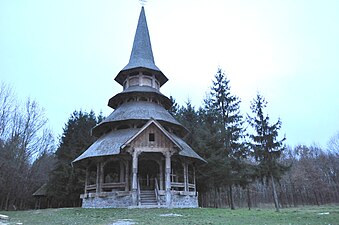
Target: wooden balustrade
{"x": 182, "y": 185}
{"x": 106, "y": 186}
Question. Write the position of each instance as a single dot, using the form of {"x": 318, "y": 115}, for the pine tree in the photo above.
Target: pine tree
{"x": 222, "y": 114}
{"x": 188, "y": 117}
{"x": 174, "y": 107}
{"x": 265, "y": 146}
{"x": 66, "y": 183}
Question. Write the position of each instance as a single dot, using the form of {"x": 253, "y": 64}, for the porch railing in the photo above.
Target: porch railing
{"x": 118, "y": 185}
{"x": 181, "y": 186}
{"x": 138, "y": 193}
{"x": 106, "y": 186}
{"x": 91, "y": 188}
{"x": 156, "y": 190}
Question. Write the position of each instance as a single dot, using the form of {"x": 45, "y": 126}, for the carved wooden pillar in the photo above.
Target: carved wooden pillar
{"x": 121, "y": 176}
{"x": 127, "y": 177}
{"x": 86, "y": 179}
{"x": 102, "y": 176}
{"x": 185, "y": 176}
{"x": 161, "y": 172}
{"x": 195, "y": 189}
{"x": 135, "y": 178}
{"x": 99, "y": 178}
{"x": 168, "y": 177}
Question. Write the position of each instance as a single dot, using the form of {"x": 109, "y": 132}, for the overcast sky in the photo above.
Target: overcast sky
{"x": 65, "y": 55}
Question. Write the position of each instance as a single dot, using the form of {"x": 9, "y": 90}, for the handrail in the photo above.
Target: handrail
{"x": 156, "y": 190}
{"x": 138, "y": 191}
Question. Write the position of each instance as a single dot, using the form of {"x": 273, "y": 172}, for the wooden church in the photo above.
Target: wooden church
{"x": 140, "y": 158}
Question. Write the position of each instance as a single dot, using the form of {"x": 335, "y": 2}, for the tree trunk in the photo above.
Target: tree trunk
{"x": 275, "y": 196}
{"x": 249, "y": 203}
{"x": 231, "y": 197}
{"x": 316, "y": 198}
{"x": 294, "y": 200}
{"x": 7, "y": 201}
{"x": 215, "y": 198}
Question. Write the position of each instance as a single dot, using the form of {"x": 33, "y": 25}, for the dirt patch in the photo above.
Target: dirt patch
{"x": 170, "y": 214}
{"x": 124, "y": 222}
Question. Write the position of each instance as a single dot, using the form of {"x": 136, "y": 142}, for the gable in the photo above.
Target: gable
{"x": 152, "y": 137}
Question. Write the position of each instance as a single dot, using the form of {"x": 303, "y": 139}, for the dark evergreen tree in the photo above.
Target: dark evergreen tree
{"x": 66, "y": 183}
{"x": 174, "y": 107}
{"x": 225, "y": 125}
{"x": 188, "y": 117}
{"x": 266, "y": 148}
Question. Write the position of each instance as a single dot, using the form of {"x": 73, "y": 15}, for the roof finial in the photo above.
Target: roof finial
{"x": 143, "y": 2}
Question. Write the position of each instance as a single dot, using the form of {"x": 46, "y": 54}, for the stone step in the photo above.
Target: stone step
{"x": 148, "y": 198}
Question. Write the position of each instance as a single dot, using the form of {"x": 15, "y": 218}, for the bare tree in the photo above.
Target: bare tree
{"x": 6, "y": 108}
{"x": 333, "y": 144}
{"x": 22, "y": 136}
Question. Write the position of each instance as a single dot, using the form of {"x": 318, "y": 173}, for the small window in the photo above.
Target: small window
{"x": 151, "y": 137}
{"x": 143, "y": 99}
{"x": 147, "y": 74}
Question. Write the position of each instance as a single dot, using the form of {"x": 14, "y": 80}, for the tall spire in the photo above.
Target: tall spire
{"x": 142, "y": 54}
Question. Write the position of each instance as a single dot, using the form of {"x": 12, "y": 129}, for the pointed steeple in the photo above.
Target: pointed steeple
{"x": 142, "y": 54}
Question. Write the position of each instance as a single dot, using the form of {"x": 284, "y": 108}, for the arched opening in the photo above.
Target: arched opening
{"x": 91, "y": 179}
{"x": 112, "y": 172}
{"x": 131, "y": 99}
{"x": 92, "y": 174}
{"x": 148, "y": 171}
{"x": 191, "y": 178}
{"x": 113, "y": 179}
{"x": 143, "y": 99}
{"x": 177, "y": 176}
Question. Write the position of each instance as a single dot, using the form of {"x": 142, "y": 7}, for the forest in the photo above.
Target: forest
{"x": 249, "y": 163}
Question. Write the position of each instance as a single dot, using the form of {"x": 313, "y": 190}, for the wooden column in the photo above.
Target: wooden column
{"x": 121, "y": 176}
{"x": 153, "y": 82}
{"x": 135, "y": 178}
{"x": 101, "y": 175}
{"x": 86, "y": 179}
{"x": 161, "y": 172}
{"x": 185, "y": 176}
{"x": 195, "y": 186}
{"x": 127, "y": 178}
{"x": 99, "y": 178}
{"x": 168, "y": 178}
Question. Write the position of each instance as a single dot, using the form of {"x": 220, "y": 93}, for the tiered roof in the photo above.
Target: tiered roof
{"x": 112, "y": 138}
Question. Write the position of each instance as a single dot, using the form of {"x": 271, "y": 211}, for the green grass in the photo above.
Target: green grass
{"x": 303, "y": 215}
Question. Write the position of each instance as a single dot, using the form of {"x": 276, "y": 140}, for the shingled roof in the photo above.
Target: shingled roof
{"x": 138, "y": 111}
{"x": 142, "y": 54}
{"x": 112, "y": 143}
{"x": 108, "y": 144}
{"x": 144, "y": 90}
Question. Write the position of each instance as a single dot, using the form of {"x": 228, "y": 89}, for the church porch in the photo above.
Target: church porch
{"x": 120, "y": 183}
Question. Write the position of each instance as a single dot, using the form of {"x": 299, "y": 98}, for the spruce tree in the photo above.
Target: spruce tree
{"x": 67, "y": 182}
{"x": 188, "y": 117}
{"x": 266, "y": 148}
{"x": 222, "y": 114}
{"x": 174, "y": 107}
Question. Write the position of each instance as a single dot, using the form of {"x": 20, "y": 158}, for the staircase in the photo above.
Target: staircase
{"x": 148, "y": 198}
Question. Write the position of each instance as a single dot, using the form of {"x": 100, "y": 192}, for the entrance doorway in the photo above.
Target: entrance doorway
{"x": 148, "y": 170}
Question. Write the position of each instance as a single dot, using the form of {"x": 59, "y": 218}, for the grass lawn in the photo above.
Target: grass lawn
{"x": 303, "y": 215}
